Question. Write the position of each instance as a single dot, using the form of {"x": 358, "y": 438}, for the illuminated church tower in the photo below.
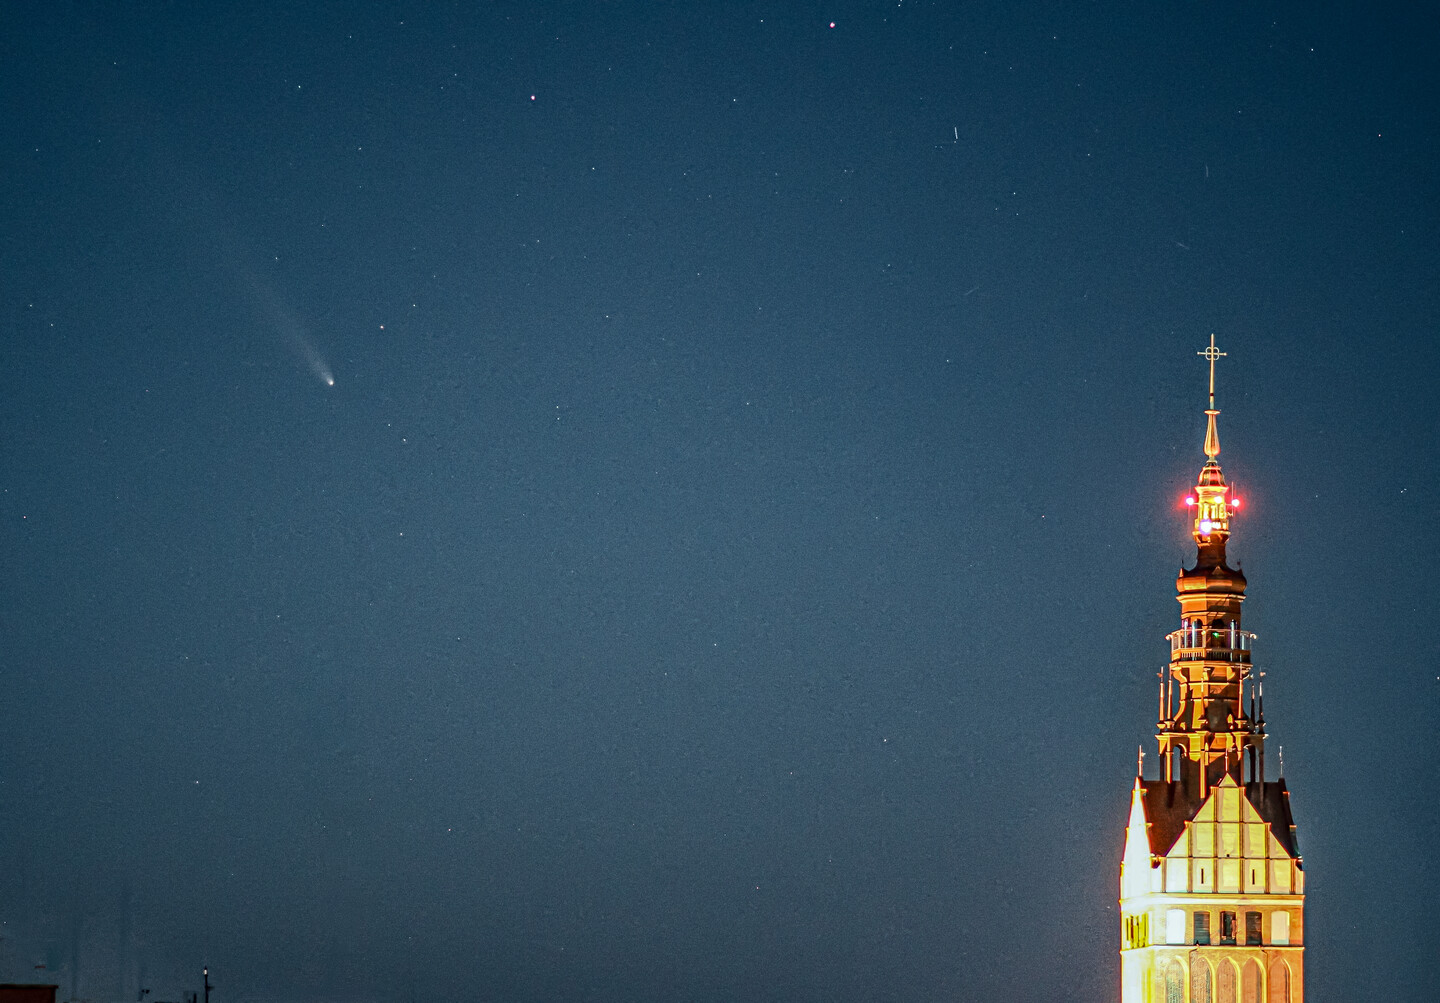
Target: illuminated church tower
{"x": 1211, "y": 885}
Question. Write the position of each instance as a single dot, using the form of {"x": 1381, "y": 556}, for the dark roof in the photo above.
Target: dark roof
{"x": 1169, "y": 805}
{"x": 1272, "y": 801}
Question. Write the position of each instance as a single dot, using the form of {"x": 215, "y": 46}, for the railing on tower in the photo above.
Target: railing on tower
{"x": 1198, "y": 643}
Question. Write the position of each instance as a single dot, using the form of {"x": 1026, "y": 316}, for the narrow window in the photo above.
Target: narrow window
{"x": 1227, "y": 928}
{"x": 1250, "y": 983}
{"x": 1200, "y": 981}
{"x": 1252, "y": 929}
{"x": 1279, "y": 982}
{"x": 1225, "y": 983}
{"x": 1174, "y": 983}
{"x": 1202, "y": 927}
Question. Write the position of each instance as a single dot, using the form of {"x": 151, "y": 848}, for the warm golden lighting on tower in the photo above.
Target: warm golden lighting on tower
{"x": 1211, "y": 882}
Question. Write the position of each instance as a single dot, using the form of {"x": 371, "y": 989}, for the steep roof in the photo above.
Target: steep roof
{"x": 1169, "y": 805}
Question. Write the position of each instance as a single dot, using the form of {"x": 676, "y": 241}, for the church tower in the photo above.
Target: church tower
{"x": 1212, "y": 891}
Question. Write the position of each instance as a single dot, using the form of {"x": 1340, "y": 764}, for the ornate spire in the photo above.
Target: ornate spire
{"x": 1212, "y": 435}
{"x": 1212, "y": 507}
{"x": 1203, "y": 714}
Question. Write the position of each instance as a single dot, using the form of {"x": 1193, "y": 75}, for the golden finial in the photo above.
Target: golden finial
{"x": 1212, "y": 434}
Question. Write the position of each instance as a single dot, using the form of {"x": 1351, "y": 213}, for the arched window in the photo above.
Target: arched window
{"x": 1279, "y": 982}
{"x": 1250, "y": 983}
{"x": 1174, "y": 983}
{"x": 1225, "y": 983}
{"x": 1200, "y": 981}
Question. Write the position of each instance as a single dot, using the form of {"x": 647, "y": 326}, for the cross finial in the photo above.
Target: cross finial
{"x": 1140, "y": 761}
{"x": 1211, "y": 354}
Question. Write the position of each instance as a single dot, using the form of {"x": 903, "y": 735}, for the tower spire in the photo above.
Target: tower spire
{"x": 1211, "y": 730}
{"x": 1212, "y": 507}
{"x": 1212, "y": 435}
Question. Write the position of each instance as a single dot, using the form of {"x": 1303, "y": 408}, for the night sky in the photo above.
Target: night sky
{"x": 628, "y": 502}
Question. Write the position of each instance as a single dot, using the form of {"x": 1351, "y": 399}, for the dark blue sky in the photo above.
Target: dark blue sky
{"x": 734, "y": 557}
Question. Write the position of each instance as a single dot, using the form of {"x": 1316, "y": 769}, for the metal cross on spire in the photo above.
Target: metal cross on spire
{"x": 1211, "y": 354}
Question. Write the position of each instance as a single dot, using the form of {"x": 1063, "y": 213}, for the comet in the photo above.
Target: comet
{"x": 314, "y": 360}
{"x": 290, "y": 328}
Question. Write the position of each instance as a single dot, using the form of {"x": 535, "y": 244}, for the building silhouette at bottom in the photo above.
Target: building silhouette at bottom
{"x": 16, "y": 992}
